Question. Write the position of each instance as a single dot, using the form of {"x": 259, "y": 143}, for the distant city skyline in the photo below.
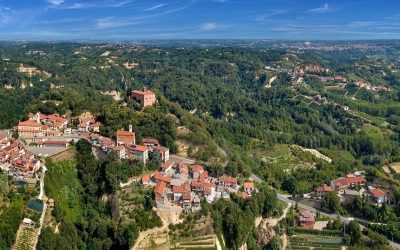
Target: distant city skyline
{"x": 199, "y": 19}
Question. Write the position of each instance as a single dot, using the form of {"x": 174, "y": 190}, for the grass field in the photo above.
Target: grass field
{"x": 303, "y": 242}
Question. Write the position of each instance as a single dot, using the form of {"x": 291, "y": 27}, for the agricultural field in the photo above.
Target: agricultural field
{"x": 25, "y": 238}
{"x": 297, "y": 242}
{"x": 201, "y": 243}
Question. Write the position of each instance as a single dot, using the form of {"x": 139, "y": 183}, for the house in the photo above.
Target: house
{"x": 160, "y": 192}
{"x": 159, "y": 177}
{"x": 378, "y": 196}
{"x": 306, "y": 219}
{"x": 167, "y": 166}
{"x": 121, "y": 151}
{"x": 349, "y": 181}
{"x": 227, "y": 181}
{"x": 162, "y": 152}
{"x": 340, "y": 79}
{"x": 141, "y": 153}
{"x": 127, "y": 138}
{"x": 248, "y": 187}
{"x": 179, "y": 191}
{"x": 146, "y": 179}
{"x": 320, "y": 191}
{"x": 196, "y": 171}
{"x": 183, "y": 169}
{"x": 145, "y": 97}
{"x": 204, "y": 178}
{"x": 150, "y": 143}
{"x": 95, "y": 127}
{"x": 29, "y": 128}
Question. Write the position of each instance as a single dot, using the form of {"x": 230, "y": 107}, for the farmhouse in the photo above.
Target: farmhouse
{"x": 306, "y": 219}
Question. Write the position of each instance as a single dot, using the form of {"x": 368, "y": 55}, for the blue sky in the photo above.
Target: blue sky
{"x": 198, "y": 19}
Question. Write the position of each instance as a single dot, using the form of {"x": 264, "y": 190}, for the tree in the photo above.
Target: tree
{"x": 354, "y": 231}
{"x": 331, "y": 202}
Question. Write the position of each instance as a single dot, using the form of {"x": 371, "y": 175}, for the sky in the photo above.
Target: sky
{"x": 199, "y": 19}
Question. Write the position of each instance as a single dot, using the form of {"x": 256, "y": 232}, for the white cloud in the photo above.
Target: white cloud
{"x": 155, "y": 7}
{"x": 82, "y": 5}
{"x": 55, "y": 2}
{"x": 208, "y": 26}
{"x": 112, "y": 22}
{"x": 323, "y": 9}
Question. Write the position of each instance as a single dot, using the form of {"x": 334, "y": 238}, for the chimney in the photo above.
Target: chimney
{"x": 130, "y": 128}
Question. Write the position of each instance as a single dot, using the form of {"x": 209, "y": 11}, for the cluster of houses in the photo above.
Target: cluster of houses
{"x": 17, "y": 161}
{"x": 182, "y": 186}
{"x": 41, "y": 125}
{"x": 126, "y": 147}
{"x": 368, "y": 86}
{"x": 351, "y": 185}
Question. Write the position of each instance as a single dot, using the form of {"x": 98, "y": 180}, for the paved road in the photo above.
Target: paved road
{"x": 343, "y": 219}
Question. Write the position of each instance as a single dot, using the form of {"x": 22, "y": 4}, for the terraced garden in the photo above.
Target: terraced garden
{"x": 303, "y": 242}
{"x": 207, "y": 242}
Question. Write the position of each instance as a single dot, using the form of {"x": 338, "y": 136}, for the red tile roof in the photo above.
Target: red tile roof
{"x": 376, "y": 192}
{"x": 167, "y": 164}
{"x": 197, "y": 167}
{"x": 160, "y": 188}
{"x": 227, "y": 179}
{"x": 324, "y": 188}
{"x": 307, "y": 216}
{"x": 140, "y": 148}
{"x": 181, "y": 189}
{"x": 159, "y": 176}
{"x": 146, "y": 92}
{"x": 349, "y": 180}
{"x": 125, "y": 133}
{"x": 29, "y": 124}
{"x": 203, "y": 176}
{"x": 248, "y": 185}
{"x": 145, "y": 178}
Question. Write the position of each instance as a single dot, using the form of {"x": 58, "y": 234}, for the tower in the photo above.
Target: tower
{"x": 130, "y": 128}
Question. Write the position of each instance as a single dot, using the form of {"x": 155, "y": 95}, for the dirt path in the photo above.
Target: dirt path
{"x": 166, "y": 218}
{"x": 284, "y": 241}
{"x": 274, "y": 221}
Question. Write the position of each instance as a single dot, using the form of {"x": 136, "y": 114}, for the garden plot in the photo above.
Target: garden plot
{"x": 297, "y": 242}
